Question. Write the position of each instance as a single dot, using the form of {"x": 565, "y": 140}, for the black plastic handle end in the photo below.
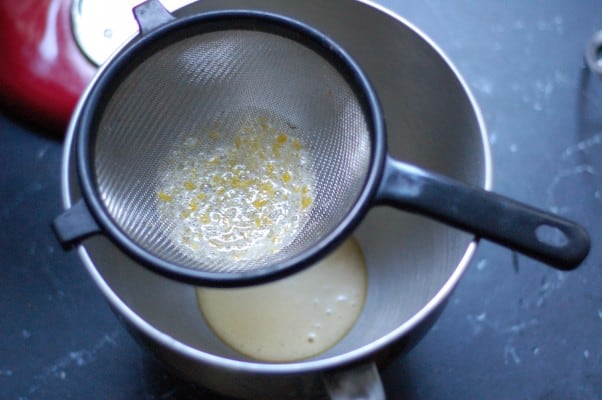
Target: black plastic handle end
{"x": 541, "y": 235}
{"x": 565, "y": 237}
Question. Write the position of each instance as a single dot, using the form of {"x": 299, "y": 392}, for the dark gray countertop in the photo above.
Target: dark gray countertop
{"x": 514, "y": 329}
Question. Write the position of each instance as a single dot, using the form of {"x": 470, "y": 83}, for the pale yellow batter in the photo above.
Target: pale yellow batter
{"x": 293, "y": 318}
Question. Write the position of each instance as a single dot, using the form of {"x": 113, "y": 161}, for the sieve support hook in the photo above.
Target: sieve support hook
{"x": 150, "y": 15}
{"x": 75, "y": 224}
{"x": 544, "y": 236}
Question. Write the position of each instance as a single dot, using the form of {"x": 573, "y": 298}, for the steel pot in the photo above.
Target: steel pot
{"x": 413, "y": 262}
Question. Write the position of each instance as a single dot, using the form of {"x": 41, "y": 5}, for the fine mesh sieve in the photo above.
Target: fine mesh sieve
{"x": 234, "y": 147}
{"x": 194, "y": 97}
{"x": 165, "y": 112}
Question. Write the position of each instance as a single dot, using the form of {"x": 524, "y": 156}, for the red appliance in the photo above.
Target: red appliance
{"x": 42, "y": 70}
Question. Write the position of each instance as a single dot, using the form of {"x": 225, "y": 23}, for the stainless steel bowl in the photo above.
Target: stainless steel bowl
{"x": 413, "y": 262}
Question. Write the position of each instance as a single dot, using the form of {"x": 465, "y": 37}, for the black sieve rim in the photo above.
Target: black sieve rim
{"x": 144, "y": 46}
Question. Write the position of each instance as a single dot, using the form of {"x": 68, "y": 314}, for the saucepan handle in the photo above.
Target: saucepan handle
{"x": 360, "y": 382}
{"x": 538, "y": 234}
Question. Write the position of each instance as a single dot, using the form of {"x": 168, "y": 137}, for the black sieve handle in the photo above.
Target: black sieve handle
{"x": 538, "y": 234}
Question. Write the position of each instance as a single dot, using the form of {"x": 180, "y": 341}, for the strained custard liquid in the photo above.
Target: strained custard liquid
{"x": 293, "y": 318}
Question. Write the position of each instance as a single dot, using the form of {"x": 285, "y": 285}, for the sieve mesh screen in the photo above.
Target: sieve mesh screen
{"x": 197, "y": 98}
